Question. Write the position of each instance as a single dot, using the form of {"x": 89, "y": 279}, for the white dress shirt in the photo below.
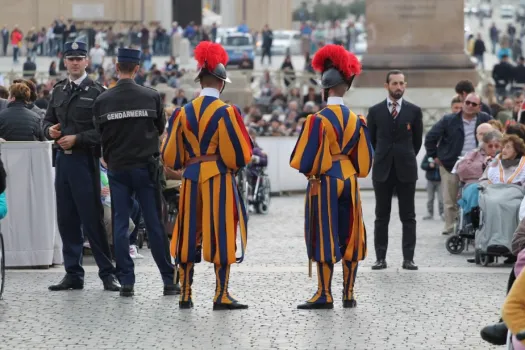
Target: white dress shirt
{"x": 210, "y": 92}
{"x": 79, "y": 80}
{"x": 389, "y": 104}
{"x": 335, "y": 100}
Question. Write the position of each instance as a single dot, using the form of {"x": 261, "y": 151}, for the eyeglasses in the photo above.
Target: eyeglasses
{"x": 470, "y": 103}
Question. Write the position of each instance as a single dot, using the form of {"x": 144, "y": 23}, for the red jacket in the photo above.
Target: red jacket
{"x": 16, "y": 37}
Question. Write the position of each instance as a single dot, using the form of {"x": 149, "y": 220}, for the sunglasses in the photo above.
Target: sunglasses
{"x": 470, "y": 103}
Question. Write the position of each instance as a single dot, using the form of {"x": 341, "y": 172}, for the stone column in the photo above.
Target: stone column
{"x": 229, "y": 13}
{"x": 423, "y": 38}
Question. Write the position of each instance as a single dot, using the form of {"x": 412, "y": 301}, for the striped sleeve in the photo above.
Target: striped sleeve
{"x": 362, "y": 154}
{"x": 235, "y": 145}
{"x": 173, "y": 154}
{"x": 311, "y": 155}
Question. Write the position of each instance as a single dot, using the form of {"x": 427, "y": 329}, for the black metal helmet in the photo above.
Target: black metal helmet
{"x": 212, "y": 60}
{"x": 219, "y": 72}
{"x": 336, "y": 65}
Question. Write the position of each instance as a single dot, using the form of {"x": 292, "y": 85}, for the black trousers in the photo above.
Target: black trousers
{"x": 405, "y": 194}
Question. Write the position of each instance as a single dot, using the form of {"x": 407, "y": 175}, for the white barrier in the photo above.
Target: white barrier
{"x": 285, "y": 178}
{"x": 30, "y": 227}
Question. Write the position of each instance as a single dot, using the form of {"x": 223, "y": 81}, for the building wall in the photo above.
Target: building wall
{"x": 40, "y": 13}
{"x": 276, "y": 13}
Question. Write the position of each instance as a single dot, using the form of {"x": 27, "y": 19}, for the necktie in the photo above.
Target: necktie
{"x": 394, "y": 109}
{"x": 74, "y": 87}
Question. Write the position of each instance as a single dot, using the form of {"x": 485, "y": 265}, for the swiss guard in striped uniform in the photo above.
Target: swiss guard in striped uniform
{"x": 333, "y": 150}
{"x": 207, "y": 138}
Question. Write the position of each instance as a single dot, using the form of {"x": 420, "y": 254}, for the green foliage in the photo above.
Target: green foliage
{"x": 357, "y": 8}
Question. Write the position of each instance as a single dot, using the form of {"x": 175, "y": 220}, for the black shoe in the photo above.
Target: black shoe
{"x": 171, "y": 289}
{"x": 349, "y": 304}
{"x": 510, "y": 260}
{"x": 409, "y": 265}
{"x": 186, "y": 304}
{"x": 379, "y": 265}
{"x": 127, "y": 290}
{"x": 111, "y": 284}
{"x": 495, "y": 334}
{"x": 471, "y": 260}
{"x": 315, "y": 306}
{"x": 232, "y": 306}
{"x": 67, "y": 283}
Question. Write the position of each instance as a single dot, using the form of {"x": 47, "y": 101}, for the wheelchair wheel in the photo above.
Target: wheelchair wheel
{"x": 2, "y": 265}
{"x": 455, "y": 244}
{"x": 485, "y": 259}
{"x": 140, "y": 238}
{"x": 263, "y": 206}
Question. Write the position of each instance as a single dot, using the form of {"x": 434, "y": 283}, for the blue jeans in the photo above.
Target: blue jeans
{"x": 122, "y": 185}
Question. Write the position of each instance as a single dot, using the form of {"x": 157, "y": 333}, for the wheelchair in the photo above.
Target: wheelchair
{"x": 170, "y": 210}
{"x": 2, "y": 265}
{"x": 259, "y": 190}
{"x": 243, "y": 186}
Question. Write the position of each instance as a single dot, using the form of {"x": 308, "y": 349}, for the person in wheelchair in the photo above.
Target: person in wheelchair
{"x": 255, "y": 170}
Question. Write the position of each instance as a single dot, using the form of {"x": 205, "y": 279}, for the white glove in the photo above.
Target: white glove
{"x": 256, "y": 159}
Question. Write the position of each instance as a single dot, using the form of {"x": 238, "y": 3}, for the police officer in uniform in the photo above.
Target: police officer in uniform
{"x": 130, "y": 119}
{"x": 69, "y": 121}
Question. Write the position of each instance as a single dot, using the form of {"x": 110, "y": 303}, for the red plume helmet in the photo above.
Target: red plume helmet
{"x": 335, "y": 56}
{"x": 211, "y": 58}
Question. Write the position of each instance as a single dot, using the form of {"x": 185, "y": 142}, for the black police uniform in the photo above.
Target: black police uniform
{"x": 130, "y": 119}
{"x": 77, "y": 179}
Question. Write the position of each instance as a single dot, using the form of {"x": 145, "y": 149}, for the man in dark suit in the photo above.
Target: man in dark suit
{"x": 396, "y": 131}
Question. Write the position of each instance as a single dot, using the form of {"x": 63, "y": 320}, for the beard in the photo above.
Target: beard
{"x": 396, "y": 94}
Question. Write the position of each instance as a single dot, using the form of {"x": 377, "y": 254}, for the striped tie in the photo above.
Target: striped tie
{"x": 394, "y": 109}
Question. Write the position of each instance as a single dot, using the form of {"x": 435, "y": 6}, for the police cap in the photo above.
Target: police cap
{"x": 75, "y": 49}
{"x": 128, "y": 55}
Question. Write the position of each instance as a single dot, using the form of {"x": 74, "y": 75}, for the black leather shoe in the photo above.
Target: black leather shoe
{"x": 471, "y": 260}
{"x": 186, "y": 304}
{"x": 409, "y": 265}
{"x": 111, "y": 284}
{"x": 171, "y": 289}
{"x": 127, "y": 290}
{"x": 349, "y": 304}
{"x": 495, "y": 334}
{"x": 67, "y": 283}
{"x": 315, "y": 306}
{"x": 232, "y": 306}
{"x": 379, "y": 265}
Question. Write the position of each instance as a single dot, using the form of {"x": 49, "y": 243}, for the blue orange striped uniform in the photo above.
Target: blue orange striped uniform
{"x": 210, "y": 208}
{"x": 334, "y": 227}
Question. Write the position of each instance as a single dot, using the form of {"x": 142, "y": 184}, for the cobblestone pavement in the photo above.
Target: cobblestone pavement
{"x": 441, "y": 306}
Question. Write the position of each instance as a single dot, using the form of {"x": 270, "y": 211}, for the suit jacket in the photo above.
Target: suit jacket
{"x": 396, "y": 142}
{"x": 3, "y": 104}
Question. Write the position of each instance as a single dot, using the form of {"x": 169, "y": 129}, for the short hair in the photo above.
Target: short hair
{"x": 392, "y": 72}
{"x": 496, "y": 124}
{"x": 464, "y": 86}
{"x": 30, "y": 85}
{"x": 455, "y": 99}
{"x": 4, "y": 93}
{"x": 518, "y": 143}
{"x": 492, "y": 135}
{"x": 20, "y": 92}
{"x": 126, "y": 67}
{"x": 516, "y": 129}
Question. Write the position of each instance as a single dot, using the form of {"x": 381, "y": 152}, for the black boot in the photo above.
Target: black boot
{"x": 111, "y": 284}
{"x": 186, "y": 280}
{"x": 127, "y": 290}
{"x": 349, "y": 274}
{"x": 495, "y": 334}
{"x": 323, "y": 297}
{"x": 223, "y": 300}
{"x": 67, "y": 283}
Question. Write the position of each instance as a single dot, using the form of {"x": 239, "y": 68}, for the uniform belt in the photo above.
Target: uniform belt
{"x": 74, "y": 151}
{"x": 315, "y": 180}
{"x": 202, "y": 159}
{"x": 337, "y": 157}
